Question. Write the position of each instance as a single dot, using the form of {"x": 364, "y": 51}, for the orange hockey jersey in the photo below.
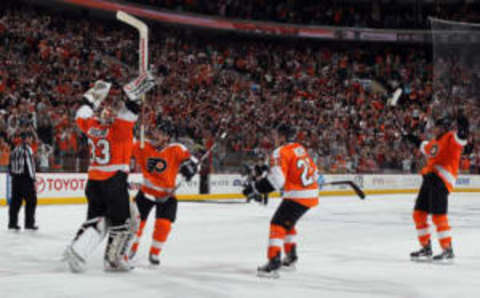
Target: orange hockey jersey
{"x": 110, "y": 146}
{"x": 293, "y": 170}
{"x": 443, "y": 157}
{"x": 160, "y": 167}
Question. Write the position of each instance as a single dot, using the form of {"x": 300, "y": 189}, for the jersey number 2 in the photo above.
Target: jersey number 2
{"x": 104, "y": 148}
{"x": 307, "y": 176}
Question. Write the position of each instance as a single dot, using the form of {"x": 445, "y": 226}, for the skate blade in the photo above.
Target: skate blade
{"x": 422, "y": 260}
{"x": 271, "y": 275}
{"x": 119, "y": 270}
{"x": 444, "y": 262}
{"x": 290, "y": 268}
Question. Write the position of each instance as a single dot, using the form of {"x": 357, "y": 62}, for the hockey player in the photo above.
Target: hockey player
{"x": 293, "y": 171}
{"x": 160, "y": 163}
{"x": 109, "y": 128}
{"x": 439, "y": 175}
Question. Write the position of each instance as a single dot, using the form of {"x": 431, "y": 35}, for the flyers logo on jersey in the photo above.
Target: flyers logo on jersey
{"x": 156, "y": 165}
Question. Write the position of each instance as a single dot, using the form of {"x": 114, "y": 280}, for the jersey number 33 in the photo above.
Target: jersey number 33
{"x": 99, "y": 151}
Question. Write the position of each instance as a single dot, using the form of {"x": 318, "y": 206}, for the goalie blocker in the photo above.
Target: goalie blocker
{"x": 293, "y": 170}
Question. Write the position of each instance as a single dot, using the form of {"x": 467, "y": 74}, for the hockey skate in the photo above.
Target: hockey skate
{"x": 270, "y": 270}
{"x": 422, "y": 255}
{"x": 153, "y": 259}
{"x": 446, "y": 257}
{"x": 290, "y": 260}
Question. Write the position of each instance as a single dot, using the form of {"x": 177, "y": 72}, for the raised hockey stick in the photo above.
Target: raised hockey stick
{"x": 350, "y": 183}
{"x": 393, "y": 101}
{"x": 142, "y": 58}
{"x": 202, "y": 158}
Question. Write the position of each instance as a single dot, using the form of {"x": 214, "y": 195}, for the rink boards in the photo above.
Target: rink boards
{"x": 68, "y": 188}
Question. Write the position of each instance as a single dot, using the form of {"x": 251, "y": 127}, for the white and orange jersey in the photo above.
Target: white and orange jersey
{"x": 159, "y": 179}
{"x": 293, "y": 170}
{"x": 110, "y": 145}
{"x": 443, "y": 156}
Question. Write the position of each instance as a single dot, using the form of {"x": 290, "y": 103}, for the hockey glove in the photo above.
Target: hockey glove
{"x": 139, "y": 86}
{"x": 188, "y": 169}
{"x": 97, "y": 93}
{"x": 251, "y": 193}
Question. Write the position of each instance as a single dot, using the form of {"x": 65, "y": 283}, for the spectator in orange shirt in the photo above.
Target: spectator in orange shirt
{"x": 4, "y": 154}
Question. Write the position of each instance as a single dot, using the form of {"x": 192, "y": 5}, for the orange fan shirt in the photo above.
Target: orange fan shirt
{"x": 110, "y": 145}
{"x": 293, "y": 170}
{"x": 160, "y": 180}
{"x": 443, "y": 157}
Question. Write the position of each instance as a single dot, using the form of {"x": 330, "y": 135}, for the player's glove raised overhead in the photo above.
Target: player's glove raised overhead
{"x": 95, "y": 95}
{"x": 188, "y": 169}
{"x": 139, "y": 86}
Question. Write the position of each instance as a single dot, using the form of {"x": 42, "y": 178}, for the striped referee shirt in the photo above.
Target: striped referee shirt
{"x": 22, "y": 162}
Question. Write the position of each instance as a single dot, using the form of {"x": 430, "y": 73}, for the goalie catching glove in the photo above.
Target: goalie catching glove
{"x": 139, "y": 86}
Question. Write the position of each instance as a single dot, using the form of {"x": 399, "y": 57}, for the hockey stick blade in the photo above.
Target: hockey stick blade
{"x": 354, "y": 186}
{"x": 396, "y": 95}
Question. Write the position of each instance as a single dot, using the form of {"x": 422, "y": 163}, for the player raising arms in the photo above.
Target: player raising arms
{"x": 293, "y": 170}
{"x": 439, "y": 175}
{"x": 160, "y": 163}
{"x": 109, "y": 128}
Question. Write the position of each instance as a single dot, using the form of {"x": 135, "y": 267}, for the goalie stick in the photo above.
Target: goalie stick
{"x": 142, "y": 57}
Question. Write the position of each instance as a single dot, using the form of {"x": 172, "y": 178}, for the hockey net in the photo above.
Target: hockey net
{"x": 456, "y": 66}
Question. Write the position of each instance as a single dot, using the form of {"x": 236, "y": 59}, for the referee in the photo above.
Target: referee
{"x": 21, "y": 168}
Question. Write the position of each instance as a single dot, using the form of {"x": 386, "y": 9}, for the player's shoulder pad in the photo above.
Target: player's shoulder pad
{"x": 277, "y": 151}
{"x": 177, "y": 145}
{"x": 299, "y": 150}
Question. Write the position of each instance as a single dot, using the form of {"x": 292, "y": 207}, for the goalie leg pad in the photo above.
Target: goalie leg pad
{"x": 119, "y": 239}
{"x": 88, "y": 237}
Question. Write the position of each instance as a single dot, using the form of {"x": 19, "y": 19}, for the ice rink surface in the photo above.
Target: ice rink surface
{"x": 347, "y": 248}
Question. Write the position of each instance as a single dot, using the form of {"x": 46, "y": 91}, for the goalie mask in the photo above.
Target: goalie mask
{"x": 106, "y": 114}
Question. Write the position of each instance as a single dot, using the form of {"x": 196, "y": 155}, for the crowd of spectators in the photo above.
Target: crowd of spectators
{"x": 372, "y": 14}
{"x": 336, "y": 95}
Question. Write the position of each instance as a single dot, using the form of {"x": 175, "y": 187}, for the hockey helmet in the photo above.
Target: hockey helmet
{"x": 164, "y": 127}
{"x": 443, "y": 122}
{"x": 286, "y": 130}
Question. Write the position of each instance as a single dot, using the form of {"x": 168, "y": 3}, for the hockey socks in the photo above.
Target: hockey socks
{"x": 160, "y": 234}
